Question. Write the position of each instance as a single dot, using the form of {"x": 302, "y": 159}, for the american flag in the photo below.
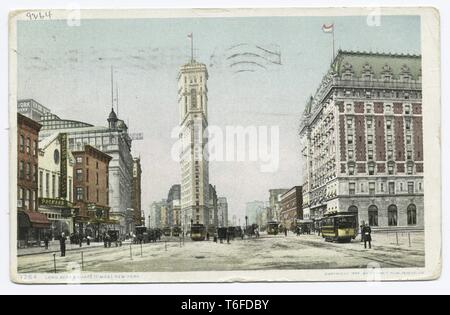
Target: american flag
{"x": 328, "y": 28}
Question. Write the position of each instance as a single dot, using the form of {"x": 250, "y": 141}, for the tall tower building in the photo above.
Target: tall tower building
{"x": 193, "y": 106}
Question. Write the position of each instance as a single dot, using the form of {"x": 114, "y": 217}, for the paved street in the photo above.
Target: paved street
{"x": 267, "y": 252}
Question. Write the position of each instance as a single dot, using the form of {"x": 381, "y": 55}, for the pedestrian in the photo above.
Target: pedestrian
{"x": 80, "y": 239}
{"x": 105, "y": 240}
{"x": 62, "y": 244}
{"x": 228, "y": 238}
{"x": 46, "y": 240}
{"x": 207, "y": 236}
{"x": 88, "y": 240}
{"x": 285, "y": 231}
{"x": 361, "y": 228}
{"x": 367, "y": 231}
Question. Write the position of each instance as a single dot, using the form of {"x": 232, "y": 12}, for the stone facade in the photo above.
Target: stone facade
{"x": 291, "y": 207}
{"x": 362, "y": 141}
{"x": 137, "y": 192}
{"x": 223, "y": 212}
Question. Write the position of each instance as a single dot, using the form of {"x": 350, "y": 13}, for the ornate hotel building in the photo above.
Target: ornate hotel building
{"x": 193, "y": 106}
{"x": 362, "y": 143}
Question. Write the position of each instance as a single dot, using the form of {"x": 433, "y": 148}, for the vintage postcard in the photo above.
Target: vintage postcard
{"x": 221, "y": 145}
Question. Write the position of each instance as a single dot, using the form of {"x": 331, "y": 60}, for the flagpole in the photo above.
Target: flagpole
{"x": 192, "y": 47}
{"x": 333, "y": 43}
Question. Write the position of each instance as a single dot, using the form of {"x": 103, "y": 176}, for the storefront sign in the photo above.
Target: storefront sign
{"x": 63, "y": 165}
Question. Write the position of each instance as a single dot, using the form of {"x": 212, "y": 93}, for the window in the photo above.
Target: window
{"x": 349, "y": 122}
{"x": 41, "y": 183}
{"x": 96, "y": 180}
{"x": 193, "y": 98}
{"x": 79, "y": 174}
{"x": 408, "y": 124}
{"x": 411, "y": 188}
{"x": 370, "y": 154}
{"x": 36, "y": 148}
{"x": 409, "y": 155}
{"x": 351, "y": 188}
{"x": 370, "y": 139}
{"x": 409, "y": 169}
{"x": 401, "y": 186}
{"x": 388, "y": 124}
{"x": 28, "y": 170}
{"x": 412, "y": 214}
{"x": 372, "y": 188}
{"x": 390, "y": 156}
{"x": 408, "y": 139}
{"x": 87, "y": 161}
{"x": 371, "y": 169}
{"x": 21, "y": 169}
{"x": 350, "y": 154}
{"x": 79, "y": 160}
{"x": 407, "y": 109}
{"x": 350, "y": 139}
{"x": 22, "y": 143}
{"x": 362, "y": 187}
{"x": 87, "y": 175}
{"x": 98, "y": 196}
{"x": 351, "y": 170}
{"x": 349, "y": 107}
{"x": 369, "y": 123}
{"x": 70, "y": 190}
{"x": 35, "y": 173}
{"x": 373, "y": 215}
{"x": 27, "y": 198}
{"x": 96, "y": 165}
{"x": 382, "y": 187}
{"x": 28, "y": 145}
{"x": 79, "y": 193}
{"x": 392, "y": 215}
{"x": 53, "y": 186}
{"x": 47, "y": 185}
{"x": 87, "y": 193}
{"x": 391, "y": 188}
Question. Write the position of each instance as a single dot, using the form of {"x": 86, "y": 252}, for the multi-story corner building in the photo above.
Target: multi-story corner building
{"x": 91, "y": 197}
{"x": 275, "y": 203}
{"x": 252, "y": 210}
{"x": 174, "y": 205}
{"x": 137, "y": 192}
{"x": 193, "y": 107}
{"x": 222, "y": 212}
{"x": 55, "y": 185}
{"x": 291, "y": 207}
{"x": 31, "y": 225}
{"x": 362, "y": 141}
{"x": 113, "y": 140}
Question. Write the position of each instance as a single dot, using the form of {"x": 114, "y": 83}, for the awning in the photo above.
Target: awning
{"x": 27, "y": 219}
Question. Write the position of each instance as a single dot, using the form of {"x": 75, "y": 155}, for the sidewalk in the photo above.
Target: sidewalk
{"x": 53, "y": 247}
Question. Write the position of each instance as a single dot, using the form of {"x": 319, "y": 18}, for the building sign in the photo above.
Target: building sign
{"x": 63, "y": 165}
{"x": 61, "y": 203}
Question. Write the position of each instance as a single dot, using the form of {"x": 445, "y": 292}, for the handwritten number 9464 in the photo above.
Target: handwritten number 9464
{"x": 34, "y": 16}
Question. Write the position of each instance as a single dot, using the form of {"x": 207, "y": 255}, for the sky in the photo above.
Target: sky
{"x": 67, "y": 69}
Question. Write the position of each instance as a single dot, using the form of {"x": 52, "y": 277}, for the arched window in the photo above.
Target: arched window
{"x": 392, "y": 215}
{"x": 373, "y": 215}
{"x": 412, "y": 214}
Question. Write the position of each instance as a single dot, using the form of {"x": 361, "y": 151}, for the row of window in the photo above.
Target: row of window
{"x": 79, "y": 175}
{"x": 388, "y": 108}
{"x": 391, "y": 188}
{"x": 50, "y": 188}
{"x": 25, "y": 146}
{"x": 390, "y": 169}
{"x": 80, "y": 194}
{"x": 26, "y": 199}
{"x": 28, "y": 171}
{"x": 392, "y": 210}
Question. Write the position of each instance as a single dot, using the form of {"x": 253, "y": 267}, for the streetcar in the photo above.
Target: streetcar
{"x": 198, "y": 232}
{"x": 176, "y": 231}
{"x": 272, "y": 228}
{"x": 167, "y": 231}
{"x": 222, "y": 233}
{"x": 339, "y": 228}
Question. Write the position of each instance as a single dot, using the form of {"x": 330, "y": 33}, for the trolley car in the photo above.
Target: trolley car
{"x": 339, "y": 228}
{"x": 167, "y": 231}
{"x": 198, "y": 232}
{"x": 272, "y": 228}
{"x": 176, "y": 231}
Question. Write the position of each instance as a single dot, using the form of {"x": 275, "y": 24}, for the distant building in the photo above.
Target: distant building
{"x": 31, "y": 225}
{"x": 362, "y": 141}
{"x": 91, "y": 198}
{"x": 32, "y": 109}
{"x": 136, "y": 204}
{"x": 174, "y": 206}
{"x": 56, "y": 164}
{"x": 213, "y": 207}
{"x": 275, "y": 203}
{"x": 158, "y": 214}
{"x": 252, "y": 210}
{"x": 222, "y": 212}
{"x": 291, "y": 207}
